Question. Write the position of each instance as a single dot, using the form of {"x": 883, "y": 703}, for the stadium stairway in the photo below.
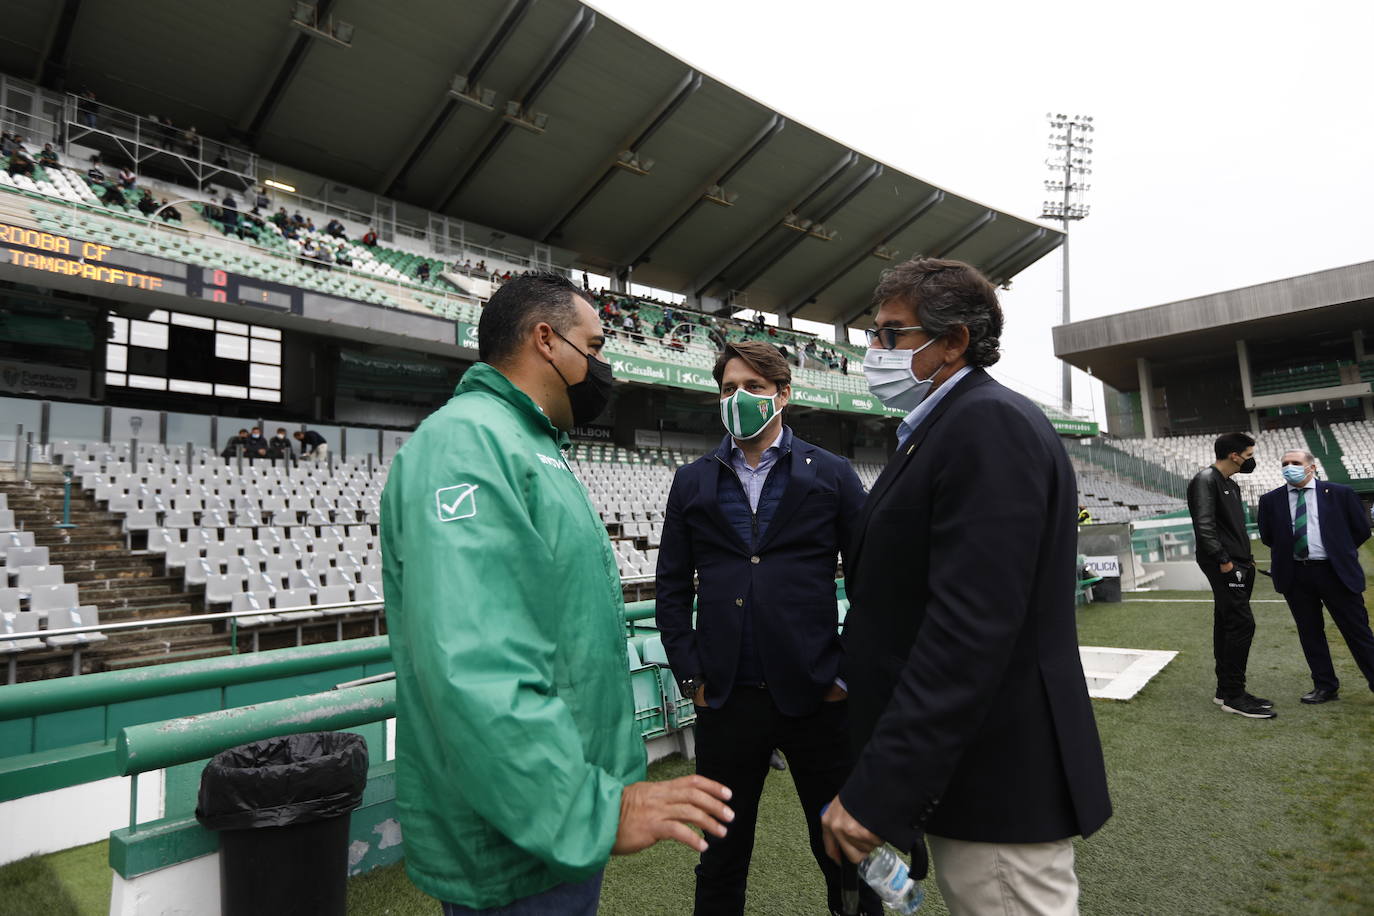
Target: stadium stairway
{"x": 1328, "y": 452}
{"x": 122, "y": 584}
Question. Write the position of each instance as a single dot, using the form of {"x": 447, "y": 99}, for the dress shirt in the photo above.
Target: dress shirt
{"x": 754, "y": 478}
{"x": 913, "y": 419}
{"x": 1316, "y": 550}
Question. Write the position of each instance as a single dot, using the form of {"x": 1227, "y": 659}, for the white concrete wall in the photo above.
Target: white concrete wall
{"x": 186, "y": 889}
{"x": 75, "y": 816}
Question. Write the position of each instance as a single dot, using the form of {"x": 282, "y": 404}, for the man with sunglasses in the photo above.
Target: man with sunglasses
{"x": 968, "y": 701}
{"x": 1314, "y": 530}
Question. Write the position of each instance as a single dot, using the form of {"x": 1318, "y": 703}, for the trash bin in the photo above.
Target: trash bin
{"x": 1108, "y": 589}
{"x": 281, "y": 807}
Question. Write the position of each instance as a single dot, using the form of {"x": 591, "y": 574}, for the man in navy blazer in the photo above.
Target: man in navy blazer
{"x": 759, "y": 522}
{"x": 1313, "y": 529}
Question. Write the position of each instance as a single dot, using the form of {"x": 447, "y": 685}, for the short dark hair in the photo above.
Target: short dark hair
{"x": 1232, "y": 442}
{"x": 762, "y": 357}
{"x": 520, "y": 304}
{"x": 947, "y": 295}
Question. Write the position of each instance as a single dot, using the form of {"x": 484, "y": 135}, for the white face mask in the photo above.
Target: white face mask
{"x": 891, "y": 380}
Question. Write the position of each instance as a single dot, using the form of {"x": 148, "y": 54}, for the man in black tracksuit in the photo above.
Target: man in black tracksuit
{"x": 1223, "y": 552}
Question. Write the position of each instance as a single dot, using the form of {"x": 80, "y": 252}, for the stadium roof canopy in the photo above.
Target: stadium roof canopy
{"x": 1340, "y": 300}
{"x": 378, "y": 115}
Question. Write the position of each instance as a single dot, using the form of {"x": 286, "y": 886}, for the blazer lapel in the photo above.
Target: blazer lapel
{"x": 899, "y": 461}
{"x": 802, "y": 475}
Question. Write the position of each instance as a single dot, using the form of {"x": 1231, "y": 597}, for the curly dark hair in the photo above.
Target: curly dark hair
{"x": 947, "y": 295}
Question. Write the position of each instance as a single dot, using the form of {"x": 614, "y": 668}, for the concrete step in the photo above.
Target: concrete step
{"x": 120, "y": 592}
{"x": 117, "y": 599}
{"x": 147, "y": 659}
{"x": 151, "y": 612}
{"x": 117, "y": 575}
{"x": 89, "y": 556}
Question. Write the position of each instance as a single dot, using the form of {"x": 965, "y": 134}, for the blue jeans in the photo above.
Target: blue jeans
{"x": 564, "y": 900}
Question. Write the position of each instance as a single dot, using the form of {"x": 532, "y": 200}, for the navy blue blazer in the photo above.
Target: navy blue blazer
{"x": 1344, "y": 527}
{"x": 786, "y": 581}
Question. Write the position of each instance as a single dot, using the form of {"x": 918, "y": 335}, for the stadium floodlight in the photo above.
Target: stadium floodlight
{"x": 883, "y": 253}
{"x": 280, "y": 185}
{"x": 305, "y": 17}
{"x": 719, "y": 196}
{"x": 472, "y": 94}
{"x": 629, "y": 160}
{"x": 518, "y": 115}
{"x": 1071, "y": 144}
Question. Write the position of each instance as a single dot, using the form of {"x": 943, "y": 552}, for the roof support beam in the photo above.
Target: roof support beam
{"x": 713, "y": 274}
{"x": 737, "y": 162}
{"x": 855, "y": 189}
{"x": 1010, "y": 252}
{"x": 285, "y": 74}
{"x": 963, "y": 235}
{"x": 496, "y": 39}
{"x": 661, "y": 115}
{"x": 576, "y": 30}
{"x": 863, "y": 252}
{"x": 52, "y": 67}
{"x": 1020, "y": 262}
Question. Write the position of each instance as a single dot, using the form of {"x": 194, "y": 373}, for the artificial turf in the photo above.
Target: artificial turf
{"x": 1215, "y": 813}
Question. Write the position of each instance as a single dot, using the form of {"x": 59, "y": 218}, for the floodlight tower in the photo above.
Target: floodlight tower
{"x": 1071, "y": 146}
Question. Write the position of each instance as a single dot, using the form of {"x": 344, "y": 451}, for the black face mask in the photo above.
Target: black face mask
{"x": 1247, "y": 465}
{"x": 589, "y": 397}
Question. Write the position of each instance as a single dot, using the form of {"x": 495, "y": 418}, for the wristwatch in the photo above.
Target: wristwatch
{"x": 688, "y": 686}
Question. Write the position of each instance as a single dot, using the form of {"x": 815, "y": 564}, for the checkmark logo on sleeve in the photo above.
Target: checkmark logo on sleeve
{"x": 454, "y": 503}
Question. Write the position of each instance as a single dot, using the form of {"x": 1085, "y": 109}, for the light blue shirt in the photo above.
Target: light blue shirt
{"x": 1316, "y": 550}
{"x": 754, "y": 478}
{"x": 913, "y": 419}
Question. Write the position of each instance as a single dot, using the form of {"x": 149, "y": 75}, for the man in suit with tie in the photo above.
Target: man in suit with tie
{"x": 967, "y": 695}
{"x": 1314, "y": 530}
{"x": 760, "y": 523}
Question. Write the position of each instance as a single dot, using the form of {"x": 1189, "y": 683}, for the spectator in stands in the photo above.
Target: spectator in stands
{"x": 48, "y": 157}
{"x": 370, "y": 237}
{"x": 167, "y": 132}
{"x": 764, "y": 516}
{"x": 112, "y": 196}
{"x": 85, "y": 107}
{"x": 1223, "y": 553}
{"x": 237, "y": 445}
{"x": 146, "y": 205}
{"x": 966, "y": 693}
{"x": 127, "y": 179}
{"x": 844, "y": 364}
{"x": 20, "y": 163}
{"x": 256, "y": 446}
{"x": 336, "y": 229}
{"x": 482, "y": 266}
{"x": 170, "y": 214}
{"x": 281, "y": 219}
{"x": 487, "y": 557}
{"x": 191, "y": 140}
{"x": 279, "y": 446}
{"x": 313, "y": 446}
{"x": 343, "y": 258}
{"x": 309, "y": 224}
{"x": 260, "y": 200}
{"x": 230, "y": 217}
{"x": 1314, "y": 530}
{"x": 423, "y": 271}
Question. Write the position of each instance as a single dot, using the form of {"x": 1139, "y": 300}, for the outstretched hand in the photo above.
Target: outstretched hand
{"x": 668, "y": 810}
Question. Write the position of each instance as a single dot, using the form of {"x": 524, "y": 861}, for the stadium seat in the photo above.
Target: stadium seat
{"x": 31, "y": 577}
{"x": 249, "y": 601}
{"x": 13, "y": 639}
{"x": 221, "y": 588}
{"x": 19, "y": 557}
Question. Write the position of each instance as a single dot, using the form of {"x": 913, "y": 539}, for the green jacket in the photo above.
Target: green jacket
{"x": 515, "y": 717}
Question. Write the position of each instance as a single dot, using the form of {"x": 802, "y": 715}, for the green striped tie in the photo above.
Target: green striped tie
{"x": 1300, "y": 527}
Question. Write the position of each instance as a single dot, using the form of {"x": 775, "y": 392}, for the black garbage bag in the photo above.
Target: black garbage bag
{"x": 294, "y": 779}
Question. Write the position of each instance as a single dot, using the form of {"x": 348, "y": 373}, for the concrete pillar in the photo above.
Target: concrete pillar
{"x": 1368, "y": 400}
{"x": 1247, "y": 390}
{"x": 841, "y": 332}
{"x": 784, "y": 321}
{"x": 1147, "y": 386}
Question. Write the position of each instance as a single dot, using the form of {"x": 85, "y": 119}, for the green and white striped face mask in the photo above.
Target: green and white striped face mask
{"x": 745, "y": 415}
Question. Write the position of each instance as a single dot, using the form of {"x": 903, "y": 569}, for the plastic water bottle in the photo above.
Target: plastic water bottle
{"x": 887, "y": 874}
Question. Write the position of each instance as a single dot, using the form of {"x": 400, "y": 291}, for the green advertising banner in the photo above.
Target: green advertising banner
{"x": 465, "y": 335}
{"x": 1069, "y": 427}
{"x": 814, "y": 397}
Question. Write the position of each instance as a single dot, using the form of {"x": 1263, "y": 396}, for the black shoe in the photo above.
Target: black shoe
{"x": 1319, "y": 695}
{"x": 1258, "y": 701}
{"x": 1246, "y": 705}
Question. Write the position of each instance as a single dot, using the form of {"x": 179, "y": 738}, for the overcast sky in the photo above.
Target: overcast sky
{"x": 1234, "y": 142}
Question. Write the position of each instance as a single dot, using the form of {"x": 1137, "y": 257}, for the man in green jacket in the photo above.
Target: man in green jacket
{"x": 519, "y": 765}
